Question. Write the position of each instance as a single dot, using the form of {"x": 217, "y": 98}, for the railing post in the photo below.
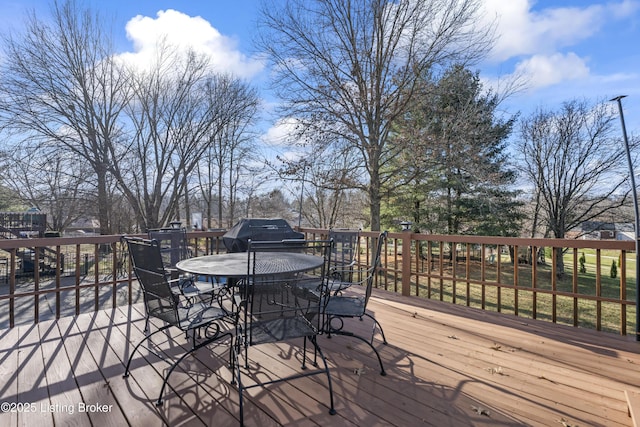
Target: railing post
{"x": 406, "y": 263}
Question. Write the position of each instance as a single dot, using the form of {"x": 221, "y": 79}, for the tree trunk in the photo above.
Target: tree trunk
{"x": 374, "y": 197}
{"x": 103, "y": 202}
{"x": 187, "y": 206}
{"x": 559, "y": 263}
{"x": 220, "y": 204}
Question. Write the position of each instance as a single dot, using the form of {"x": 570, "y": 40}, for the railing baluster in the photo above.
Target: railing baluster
{"x": 468, "y": 273}
{"x": 516, "y": 268}
{"x": 57, "y": 279}
{"x": 12, "y": 288}
{"x": 623, "y": 292}
{"x": 598, "y": 289}
{"x": 36, "y": 282}
{"x": 534, "y": 282}
{"x": 77, "y": 281}
{"x": 574, "y": 286}
{"x": 441, "y": 269}
{"x": 405, "y": 254}
{"x": 483, "y": 275}
{"x": 499, "y": 280}
{"x": 554, "y": 289}
{"x": 429, "y": 263}
{"x": 96, "y": 275}
{"x": 114, "y": 274}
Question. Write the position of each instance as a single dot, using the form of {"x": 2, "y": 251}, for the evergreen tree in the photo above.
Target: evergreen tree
{"x": 455, "y": 156}
{"x": 614, "y": 270}
{"x": 583, "y": 261}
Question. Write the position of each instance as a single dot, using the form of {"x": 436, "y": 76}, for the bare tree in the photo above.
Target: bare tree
{"x": 325, "y": 170}
{"x": 53, "y": 181}
{"x": 355, "y": 64}
{"x": 324, "y": 205}
{"x": 575, "y": 164}
{"x": 59, "y": 84}
{"x": 172, "y": 119}
{"x": 273, "y": 204}
{"x": 230, "y": 144}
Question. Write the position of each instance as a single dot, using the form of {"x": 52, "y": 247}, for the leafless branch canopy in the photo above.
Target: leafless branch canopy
{"x": 354, "y": 64}
{"x": 575, "y": 162}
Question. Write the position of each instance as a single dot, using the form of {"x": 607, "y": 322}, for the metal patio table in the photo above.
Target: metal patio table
{"x": 235, "y": 265}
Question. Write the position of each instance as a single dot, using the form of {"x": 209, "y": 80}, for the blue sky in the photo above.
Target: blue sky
{"x": 566, "y": 49}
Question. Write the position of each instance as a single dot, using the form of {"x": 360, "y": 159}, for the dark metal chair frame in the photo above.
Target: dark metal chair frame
{"x": 343, "y": 266}
{"x": 162, "y": 302}
{"x": 173, "y": 242}
{"x": 174, "y": 247}
{"x": 339, "y": 307}
{"x": 279, "y": 308}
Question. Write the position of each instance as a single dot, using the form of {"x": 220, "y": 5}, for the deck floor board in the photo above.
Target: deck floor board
{"x": 447, "y": 365}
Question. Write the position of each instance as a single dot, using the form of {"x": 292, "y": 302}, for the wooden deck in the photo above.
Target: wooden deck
{"x": 447, "y": 366}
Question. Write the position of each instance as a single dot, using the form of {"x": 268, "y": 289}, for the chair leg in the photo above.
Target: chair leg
{"x": 376, "y": 323}
{"x": 304, "y": 354}
{"x": 177, "y": 362}
{"x": 236, "y": 376}
{"x": 235, "y": 362}
{"x": 146, "y": 338}
{"x": 340, "y": 331}
{"x": 382, "y": 371}
{"x": 314, "y": 341}
{"x": 166, "y": 377}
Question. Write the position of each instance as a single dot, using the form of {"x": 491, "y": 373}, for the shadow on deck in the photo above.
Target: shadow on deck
{"x": 447, "y": 365}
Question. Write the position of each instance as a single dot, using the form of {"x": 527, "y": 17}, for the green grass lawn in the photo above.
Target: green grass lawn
{"x": 540, "y": 305}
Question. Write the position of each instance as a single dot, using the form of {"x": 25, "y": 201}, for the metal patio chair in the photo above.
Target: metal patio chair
{"x": 173, "y": 242}
{"x": 164, "y": 303}
{"x": 275, "y": 307}
{"x": 340, "y": 307}
{"x": 174, "y": 247}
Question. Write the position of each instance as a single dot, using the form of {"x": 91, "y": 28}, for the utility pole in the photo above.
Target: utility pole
{"x": 618, "y": 99}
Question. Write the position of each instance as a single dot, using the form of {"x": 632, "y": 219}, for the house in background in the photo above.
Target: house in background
{"x": 83, "y": 227}
{"x": 600, "y": 230}
{"x": 625, "y": 231}
{"x": 30, "y": 223}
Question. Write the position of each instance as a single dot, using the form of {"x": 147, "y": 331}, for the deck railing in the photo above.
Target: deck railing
{"x": 53, "y": 277}
{"x": 531, "y": 278}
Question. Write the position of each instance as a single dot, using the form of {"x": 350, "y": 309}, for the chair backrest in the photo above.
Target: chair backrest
{"x": 375, "y": 265}
{"x": 173, "y": 242}
{"x": 146, "y": 260}
{"x": 346, "y": 244}
{"x": 280, "y": 306}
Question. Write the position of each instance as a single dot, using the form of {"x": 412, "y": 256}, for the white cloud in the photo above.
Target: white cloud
{"x": 536, "y": 40}
{"x": 523, "y": 31}
{"x": 624, "y": 8}
{"x": 184, "y": 31}
{"x": 620, "y": 78}
{"x": 540, "y": 70}
{"x": 281, "y": 133}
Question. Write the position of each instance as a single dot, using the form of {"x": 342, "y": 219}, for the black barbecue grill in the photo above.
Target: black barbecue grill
{"x": 258, "y": 229}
